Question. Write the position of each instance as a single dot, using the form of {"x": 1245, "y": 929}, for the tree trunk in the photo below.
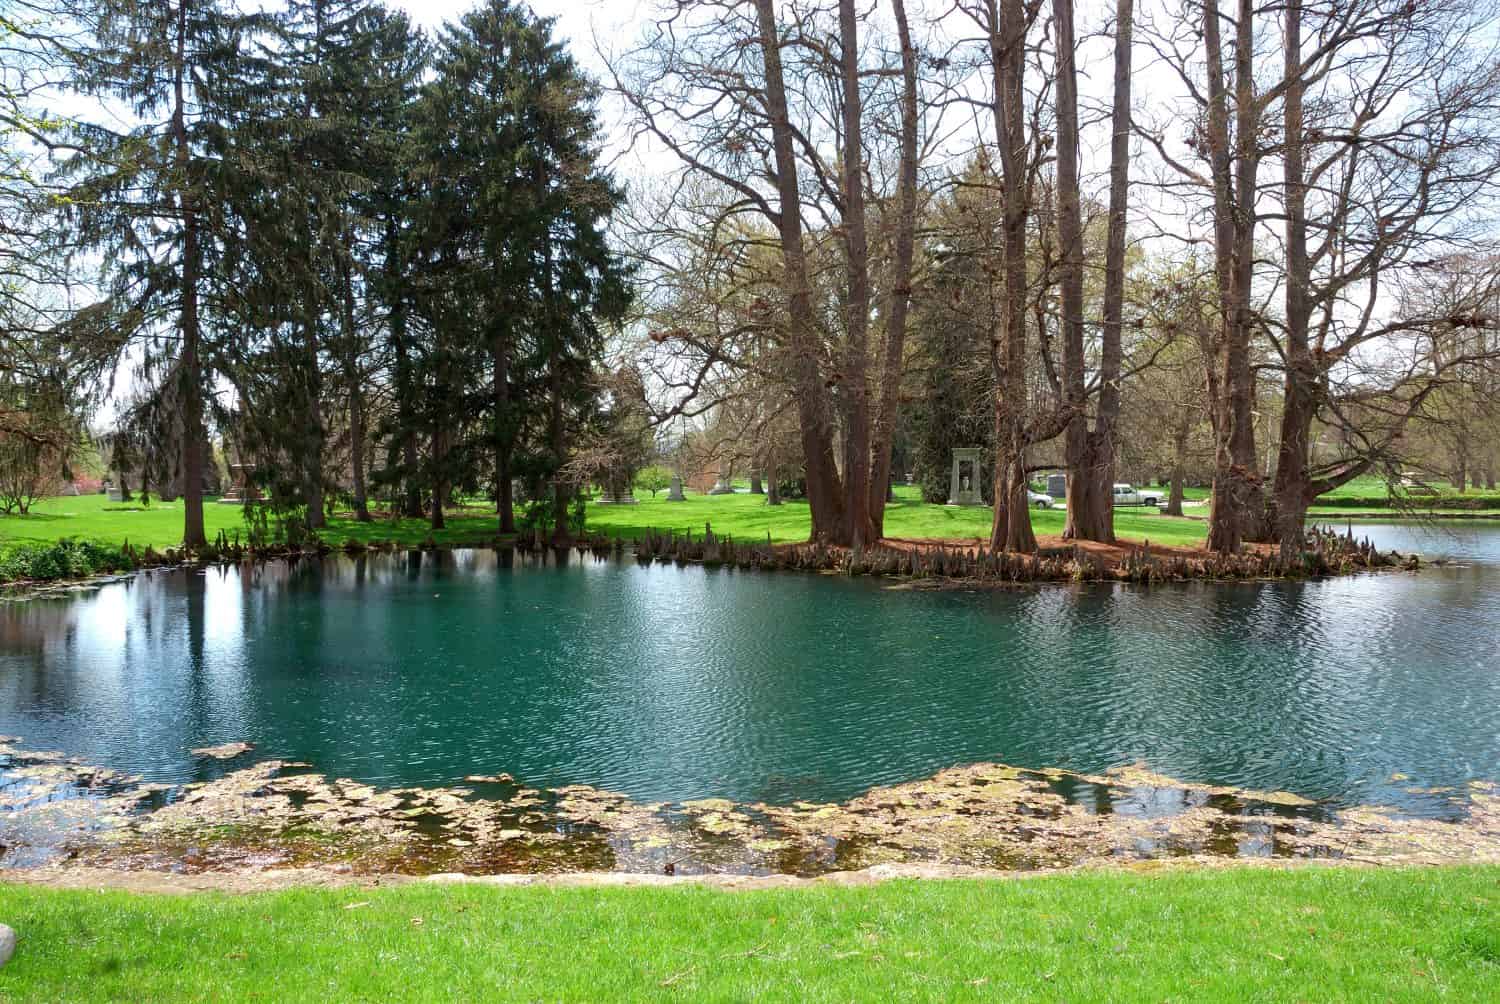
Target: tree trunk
{"x": 409, "y": 491}
{"x": 1293, "y": 486}
{"x": 824, "y": 491}
{"x": 756, "y": 488}
{"x": 899, "y": 305}
{"x": 1179, "y": 466}
{"x": 439, "y": 482}
{"x": 504, "y": 438}
{"x": 1096, "y": 507}
{"x": 856, "y": 382}
{"x": 190, "y": 375}
{"x": 1085, "y": 520}
{"x": 773, "y": 478}
{"x": 356, "y": 400}
{"x": 312, "y": 445}
{"x": 1236, "y": 484}
{"x": 1011, "y": 529}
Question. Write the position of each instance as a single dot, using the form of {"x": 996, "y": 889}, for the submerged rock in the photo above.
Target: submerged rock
{"x": 228, "y": 751}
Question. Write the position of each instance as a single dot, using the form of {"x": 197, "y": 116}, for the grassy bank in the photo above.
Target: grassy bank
{"x": 94, "y": 517}
{"x": 1313, "y": 934}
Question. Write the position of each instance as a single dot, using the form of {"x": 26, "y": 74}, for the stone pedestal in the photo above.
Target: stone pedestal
{"x": 114, "y": 494}
{"x": 674, "y": 494}
{"x": 725, "y": 484}
{"x": 617, "y": 495}
{"x": 241, "y": 485}
{"x": 963, "y": 485}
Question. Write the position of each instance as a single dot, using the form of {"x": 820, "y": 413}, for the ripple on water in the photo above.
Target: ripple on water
{"x": 670, "y": 683}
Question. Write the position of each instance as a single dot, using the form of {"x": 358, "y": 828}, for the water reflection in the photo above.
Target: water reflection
{"x": 668, "y": 682}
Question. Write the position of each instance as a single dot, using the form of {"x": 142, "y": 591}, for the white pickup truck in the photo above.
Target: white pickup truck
{"x": 1127, "y": 495}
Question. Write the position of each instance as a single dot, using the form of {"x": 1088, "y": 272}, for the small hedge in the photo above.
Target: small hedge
{"x": 63, "y": 559}
{"x": 1414, "y": 500}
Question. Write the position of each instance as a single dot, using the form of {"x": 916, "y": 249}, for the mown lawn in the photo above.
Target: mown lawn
{"x": 747, "y": 517}
{"x": 1233, "y": 935}
{"x": 744, "y": 516}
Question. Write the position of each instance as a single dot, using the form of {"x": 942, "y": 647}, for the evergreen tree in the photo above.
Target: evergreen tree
{"x": 148, "y": 199}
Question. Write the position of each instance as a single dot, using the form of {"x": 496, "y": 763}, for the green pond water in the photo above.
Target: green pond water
{"x": 674, "y": 683}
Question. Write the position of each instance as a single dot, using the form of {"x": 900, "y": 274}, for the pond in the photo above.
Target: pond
{"x": 673, "y": 683}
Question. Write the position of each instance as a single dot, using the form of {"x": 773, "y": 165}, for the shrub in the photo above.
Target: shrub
{"x": 63, "y": 559}
{"x": 653, "y": 479}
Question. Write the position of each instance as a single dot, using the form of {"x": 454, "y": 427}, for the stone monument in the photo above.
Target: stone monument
{"x": 963, "y": 486}
{"x": 674, "y": 494}
{"x": 725, "y": 484}
{"x": 241, "y": 485}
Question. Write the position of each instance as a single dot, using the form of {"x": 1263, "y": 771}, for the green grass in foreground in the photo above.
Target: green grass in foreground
{"x": 1234, "y": 935}
{"x": 93, "y": 517}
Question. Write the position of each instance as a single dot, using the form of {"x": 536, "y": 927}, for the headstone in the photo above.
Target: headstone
{"x": 114, "y": 494}
{"x": 963, "y": 486}
{"x": 1057, "y": 485}
{"x": 675, "y": 493}
{"x": 723, "y": 486}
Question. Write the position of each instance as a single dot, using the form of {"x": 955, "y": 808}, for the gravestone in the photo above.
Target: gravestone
{"x": 674, "y": 494}
{"x": 723, "y": 486}
{"x": 963, "y": 486}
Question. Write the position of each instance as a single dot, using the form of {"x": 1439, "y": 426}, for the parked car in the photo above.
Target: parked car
{"x": 1128, "y": 495}
{"x": 1037, "y": 500}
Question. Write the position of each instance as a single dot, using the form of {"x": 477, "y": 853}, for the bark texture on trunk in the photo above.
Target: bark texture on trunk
{"x": 824, "y": 491}
{"x": 1293, "y": 486}
{"x": 856, "y": 382}
{"x": 1096, "y": 520}
{"x": 1236, "y": 489}
{"x": 899, "y": 305}
{"x": 190, "y": 373}
{"x": 1011, "y": 530}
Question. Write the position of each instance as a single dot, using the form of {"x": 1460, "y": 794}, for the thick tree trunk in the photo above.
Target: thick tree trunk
{"x": 1011, "y": 529}
{"x": 1090, "y": 516}
{"x": 1237, "y": 504}
{"x": 899, "y": 304}
{"x": 1293, "y": 487}
{"x": 824, "y": 491}
{"x": 1179, "y": 467}
{"x": 773, "y": 478}
{"x": 190, "y": 375}
{"x": 1096, "y": 505}
{"x": 409, "y": 492}
{"x": 856, "y": 382}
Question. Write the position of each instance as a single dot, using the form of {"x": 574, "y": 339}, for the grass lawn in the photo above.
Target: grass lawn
{"x": 1231, "y": 935}
{"x": 747, "y": 517}
{"x": 744, "y": 516}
